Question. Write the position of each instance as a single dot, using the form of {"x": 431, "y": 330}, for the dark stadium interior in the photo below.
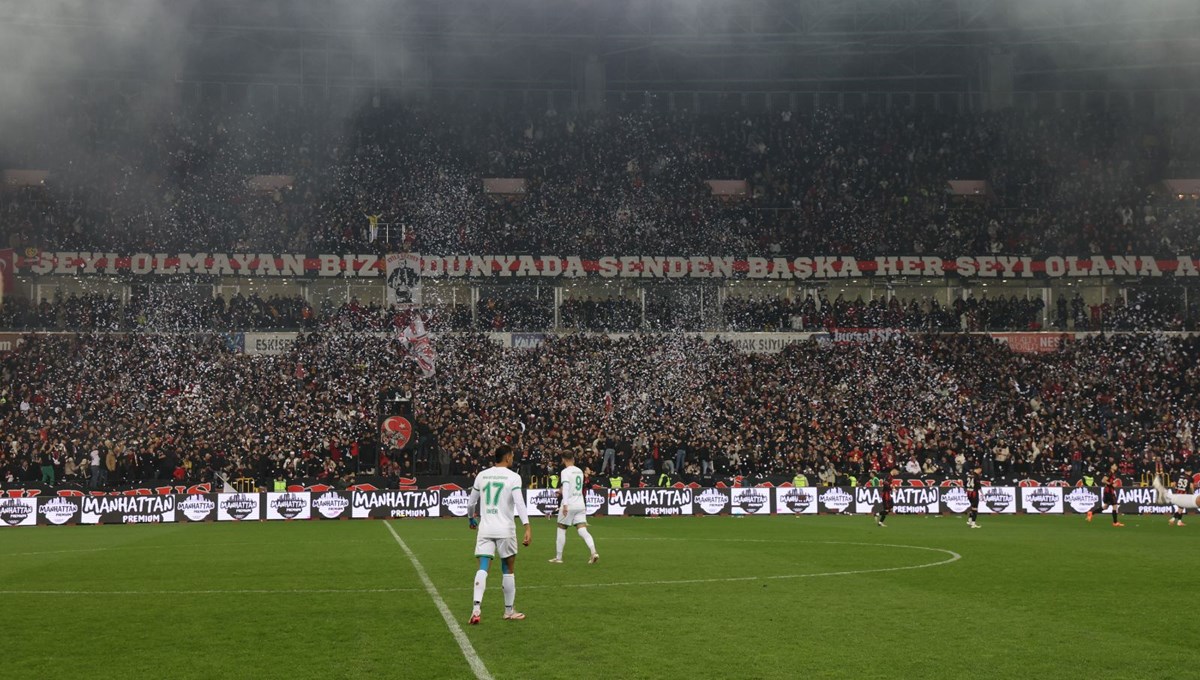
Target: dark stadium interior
{"x": 370, "y": 127}
{"x": 622, "y": 339}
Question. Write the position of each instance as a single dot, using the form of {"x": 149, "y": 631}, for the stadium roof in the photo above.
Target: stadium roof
{"x": 932, "y": 45}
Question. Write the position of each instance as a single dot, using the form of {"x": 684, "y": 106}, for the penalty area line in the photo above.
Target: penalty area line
{"x": 464, "y": 644}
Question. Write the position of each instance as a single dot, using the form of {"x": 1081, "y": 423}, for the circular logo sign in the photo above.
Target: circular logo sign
{"x": 545, "y": 501}
{"x": 1082, "y": 499}
{"x": 289, "y": 506}
{"x": 239, "y": 506}
{"x": 997, "y": 499}
{"x": 955, "y": 498}
{"x": 14, "y": 511}
{"x": 331, "y": 504}
{"x": 837, "y": 499}
{"x": 59, "y": 510}
{"x": 752, "y": 501}
{"x": 1042, "y": 500}
{"x": 594, "y": 501}
{"x": 456, "y": 502}
{"x": 196, "y": 507}
{"x": 712, "y": 501}
{"x": 798, "y": 500}
{"x": 396, "y": 432}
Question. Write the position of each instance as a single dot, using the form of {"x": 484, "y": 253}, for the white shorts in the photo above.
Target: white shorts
{"x": 496, "y": 547}
{"x": 573, "y": 516}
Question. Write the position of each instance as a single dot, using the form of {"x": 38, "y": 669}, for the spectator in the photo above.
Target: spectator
{"x": 160, "y": 405}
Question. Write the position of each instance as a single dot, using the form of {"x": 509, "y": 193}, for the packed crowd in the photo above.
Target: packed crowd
{"x": 104, "y": 409}
{"x": 167, "y": 309}
{"x": 611, "y": 314}
{"x": 1143, "y": 311}
{"x": 812, "y": 314}
{"x": 866, "y": 182}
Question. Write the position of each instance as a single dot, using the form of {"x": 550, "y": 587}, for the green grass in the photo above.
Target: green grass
{"x": 1031, "y": 597}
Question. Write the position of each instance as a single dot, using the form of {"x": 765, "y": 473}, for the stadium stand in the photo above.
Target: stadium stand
{"x": 183, "y": 407}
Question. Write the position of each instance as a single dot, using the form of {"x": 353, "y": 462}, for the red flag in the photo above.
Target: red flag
{"x": 420, "y": 350}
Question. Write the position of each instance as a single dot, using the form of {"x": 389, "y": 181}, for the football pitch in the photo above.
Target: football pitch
{"x": 699, "y": 597}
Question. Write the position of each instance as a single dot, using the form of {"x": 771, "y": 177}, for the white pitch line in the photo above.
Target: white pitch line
{"x": 481, "y": 671}
{"x": 954, "y": 557}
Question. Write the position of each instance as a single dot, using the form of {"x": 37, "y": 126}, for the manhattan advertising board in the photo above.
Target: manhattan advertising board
{"x": 646, "y": 501}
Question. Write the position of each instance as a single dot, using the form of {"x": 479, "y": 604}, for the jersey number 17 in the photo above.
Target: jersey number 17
{"x": 491, "y": 493}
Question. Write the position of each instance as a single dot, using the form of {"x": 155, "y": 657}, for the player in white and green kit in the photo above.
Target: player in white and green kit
{"x": 498, "y": 492}
{"x": 572, "y": 509}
